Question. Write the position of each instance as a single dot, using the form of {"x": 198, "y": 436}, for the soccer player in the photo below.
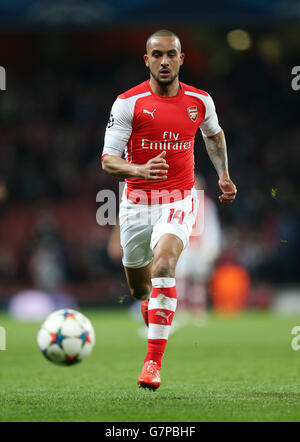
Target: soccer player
{"x": 154, "y": 124}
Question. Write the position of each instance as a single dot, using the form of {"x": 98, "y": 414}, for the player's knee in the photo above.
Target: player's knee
{"x": 141, "y": 293}
{"x": 163, "y": 267}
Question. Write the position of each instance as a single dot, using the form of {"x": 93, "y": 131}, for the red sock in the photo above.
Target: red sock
{"x": 161, "y": 309}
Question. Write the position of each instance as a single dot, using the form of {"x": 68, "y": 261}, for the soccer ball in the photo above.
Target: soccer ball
{"x": 66, "y": 337}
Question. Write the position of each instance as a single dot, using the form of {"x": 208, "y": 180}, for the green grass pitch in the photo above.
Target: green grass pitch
{"x": 241, "y": 369}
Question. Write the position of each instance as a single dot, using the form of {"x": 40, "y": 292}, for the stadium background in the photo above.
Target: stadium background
{"x": 65, "y": 63}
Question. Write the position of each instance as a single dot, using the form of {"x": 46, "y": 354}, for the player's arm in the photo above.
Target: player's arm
{"x": 217, "y": 152}
{"x": 117, "y": 135}
{"x": 215, "y": 143}
{"x": 154, "y": 169}
{"x": 119, "y": 168}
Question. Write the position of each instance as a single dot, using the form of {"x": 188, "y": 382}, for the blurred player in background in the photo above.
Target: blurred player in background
{"x": 3, "y": 192}
{"x": 114, "y": 250}
{"x": 196, "y": 263}
{"x": 154, "y": 125}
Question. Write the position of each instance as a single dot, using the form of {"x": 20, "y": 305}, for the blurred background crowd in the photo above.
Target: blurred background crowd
{"x": 61, "y": 83}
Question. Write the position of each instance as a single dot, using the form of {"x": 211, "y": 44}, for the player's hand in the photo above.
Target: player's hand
{"x": 229, "y": 190}
{"x": 155, "y": 169}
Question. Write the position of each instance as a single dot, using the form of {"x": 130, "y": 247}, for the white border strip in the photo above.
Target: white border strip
{"x": 157, "y": 331}
{"x": 163, "y": 302}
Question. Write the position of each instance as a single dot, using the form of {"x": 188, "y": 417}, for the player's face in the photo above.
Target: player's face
{"x": 164, "y": 58}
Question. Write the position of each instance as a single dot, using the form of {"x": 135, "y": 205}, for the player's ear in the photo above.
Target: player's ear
{"x": 146, "y": 58}
{"x": 182, "y": 57}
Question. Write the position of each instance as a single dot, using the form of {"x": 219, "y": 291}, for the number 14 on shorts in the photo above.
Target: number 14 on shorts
{"x": 176, "y": 214}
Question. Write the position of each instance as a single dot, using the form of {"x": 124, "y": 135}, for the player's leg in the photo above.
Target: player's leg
{"x": 169, "y": 238}
{"x": 137, "y": 255}
{"x": 163, "y": 300}
{"x": 139, "y": 281}
{"x": 166, "y": 254}
{"x": 162, "y": 306}
{"x": 183, "y": 281}
{"x": 197, "y": 302}
{"x": 191, "y": 284}
{"x": 200, "y": 277}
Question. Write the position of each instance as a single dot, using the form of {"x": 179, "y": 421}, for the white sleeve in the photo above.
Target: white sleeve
{"x": 210, "y": 125}
{"x": 118, "y": 129}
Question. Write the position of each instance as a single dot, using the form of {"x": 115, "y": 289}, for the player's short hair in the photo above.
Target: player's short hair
{"x": 162, "y": 33}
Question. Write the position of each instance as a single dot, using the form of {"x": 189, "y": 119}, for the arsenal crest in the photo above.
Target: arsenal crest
{"x": 193, "y": 113}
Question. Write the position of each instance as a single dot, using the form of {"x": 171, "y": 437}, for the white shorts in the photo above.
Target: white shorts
{"x": 141, "y": 226}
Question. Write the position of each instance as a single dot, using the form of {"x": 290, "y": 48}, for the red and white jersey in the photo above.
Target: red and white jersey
{"x": 143, "y": 124}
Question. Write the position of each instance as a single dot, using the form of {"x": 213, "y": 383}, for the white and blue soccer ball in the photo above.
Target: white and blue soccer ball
{"x": 66, "y": 337}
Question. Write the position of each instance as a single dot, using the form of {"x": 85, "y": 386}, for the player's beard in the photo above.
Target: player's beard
{"x": 163, "y": 82}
